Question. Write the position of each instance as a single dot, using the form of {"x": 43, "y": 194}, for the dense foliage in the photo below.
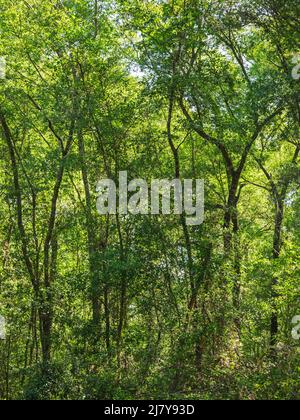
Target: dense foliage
{"x": 102, "y": 307}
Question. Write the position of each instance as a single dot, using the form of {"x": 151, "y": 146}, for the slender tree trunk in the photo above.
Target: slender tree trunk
{"x": 107, "y": 319}
{"x": 277, "y": 244}
{"x": 123, "y": 291}
{"x": 46, "y": 303}
{"x": 90, "y": 223}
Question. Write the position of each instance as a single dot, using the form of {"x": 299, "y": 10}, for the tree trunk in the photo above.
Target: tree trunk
{"x": 90, "y": 224}
{"x": 277, "y": 244}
